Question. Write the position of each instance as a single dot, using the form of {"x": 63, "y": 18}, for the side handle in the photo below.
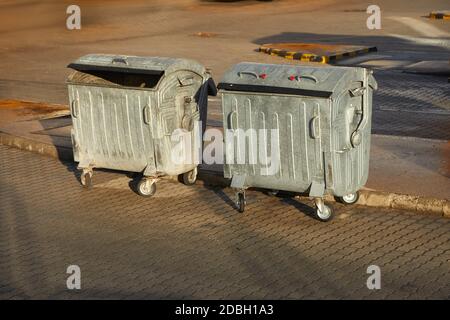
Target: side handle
{"x": 75, "y": 109}
{"x": 147, "y": 116}
{"x": 356, "y": 136}
{"x": 314, "y": 128}
{"x": 232, "y": 120}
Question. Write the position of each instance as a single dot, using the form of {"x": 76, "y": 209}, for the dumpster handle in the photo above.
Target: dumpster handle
{"x": 74, "y": 107}
{"x": 121, "y": 60}
{"x": 147, "y": 114}
{"x": 240, "y": 73}
{"x": 232, "y": 119}
{"x": 307, "y": 76}
{"x": 188, "y": 81}
{"x": 356, "y": 136}
{"x": 313, "y": 128}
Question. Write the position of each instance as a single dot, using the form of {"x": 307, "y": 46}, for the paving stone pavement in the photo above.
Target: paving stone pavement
{"x": 411, "y": 105}
{"x": 189, "y": 242}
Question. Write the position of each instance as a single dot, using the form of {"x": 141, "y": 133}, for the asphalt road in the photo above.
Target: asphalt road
{"x": 190, "y": 242}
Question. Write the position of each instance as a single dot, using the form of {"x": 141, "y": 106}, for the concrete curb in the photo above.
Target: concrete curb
{"x": 371, "y": 198}
{"x": 35, "y": 146}
{"x": 419, "y": 204}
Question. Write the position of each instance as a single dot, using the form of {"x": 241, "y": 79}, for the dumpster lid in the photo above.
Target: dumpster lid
{"x": 284, "y": 79}
{"x": 134, "y": 64}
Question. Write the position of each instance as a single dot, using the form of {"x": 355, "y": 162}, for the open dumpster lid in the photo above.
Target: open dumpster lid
{"x": 285, "y": 79}
{"x": 134, "y": 64}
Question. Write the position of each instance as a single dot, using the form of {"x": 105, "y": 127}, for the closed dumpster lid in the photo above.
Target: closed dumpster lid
{"x": 134, "y": 64}
{"x": 284, "y": 79}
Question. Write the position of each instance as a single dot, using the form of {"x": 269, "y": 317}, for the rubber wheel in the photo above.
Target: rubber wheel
{"x": 144, "y": 190}
{"x": 326, "y": 215}
{"x": 189, "y": 178}
{"x": 350, "y": 198}
{"x": 240, "y": 202}
{"x": 273, "y": 192}
{"x": 86, "y": 180}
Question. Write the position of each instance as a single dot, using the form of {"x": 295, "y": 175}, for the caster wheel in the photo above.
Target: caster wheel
{"x": 326, "y": 214}
{"x": 350, "y": 198}
{"x": 240, "y": 203}
{"x": 273, "y": 192}
{"x": 86, "y": 179}
{"x": 189, "y": 178}
{"x": 146, "y": 188}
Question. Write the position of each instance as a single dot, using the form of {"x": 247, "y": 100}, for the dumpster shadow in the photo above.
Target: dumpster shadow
{"x": 286, "y": 197}
{"x": 301, "y": 207}
{"x": 279, "y": 251}
{"x": 135, "y": 178}
{"x": 219, "y": 191}
{"x": 72, "y": 168}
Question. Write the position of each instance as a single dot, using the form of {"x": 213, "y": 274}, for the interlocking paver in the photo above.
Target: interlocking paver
{"x": 189, "y": 242}
{"x": 402, "y": 100}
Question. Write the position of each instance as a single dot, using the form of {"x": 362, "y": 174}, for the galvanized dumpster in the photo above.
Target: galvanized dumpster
{"x": 307, "y": 127}
{"x": 125, "y": 110}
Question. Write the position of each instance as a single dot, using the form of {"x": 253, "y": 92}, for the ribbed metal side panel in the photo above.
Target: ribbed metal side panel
{"x": 299, "y": 153}
{"x": 110, "y": 128}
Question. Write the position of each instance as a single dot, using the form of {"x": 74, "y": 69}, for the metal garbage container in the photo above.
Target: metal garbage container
{"x": 125, "y": 110}
{"x": 313, "y": 123}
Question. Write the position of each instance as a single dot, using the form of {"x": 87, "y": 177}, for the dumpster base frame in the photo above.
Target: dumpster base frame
{"x": 323, "y": 212}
